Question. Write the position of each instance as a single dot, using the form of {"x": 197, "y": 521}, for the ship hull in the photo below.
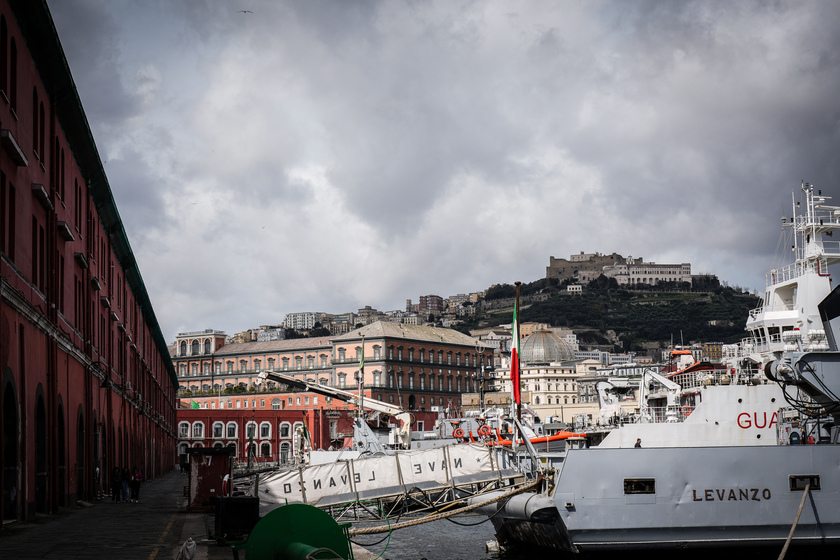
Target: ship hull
{"x": 685, "y": 498}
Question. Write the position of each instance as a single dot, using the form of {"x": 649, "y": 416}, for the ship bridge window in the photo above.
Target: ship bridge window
{"x": 799, "y": 481}
{"x": 640, "y": 486}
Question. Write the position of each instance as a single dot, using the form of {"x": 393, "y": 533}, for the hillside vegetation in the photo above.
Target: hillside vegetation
{"x": 703, "y": 312}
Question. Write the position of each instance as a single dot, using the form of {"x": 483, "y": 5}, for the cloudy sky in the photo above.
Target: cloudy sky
{"x": 327, "y": 155}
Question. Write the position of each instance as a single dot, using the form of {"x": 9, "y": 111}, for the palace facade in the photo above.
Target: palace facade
{"x": 415, "y": 367}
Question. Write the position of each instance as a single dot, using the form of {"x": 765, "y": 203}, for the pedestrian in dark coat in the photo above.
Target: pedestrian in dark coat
{"x": 126, "y": 478}
{"x": 116, "y": 485}
{"x": 136, "y": 480}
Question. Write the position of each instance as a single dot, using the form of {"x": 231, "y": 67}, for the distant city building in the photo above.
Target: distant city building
{"x": 458, "y": 299}
{"x": 245, "y": 336}
{"x": 302, "y": 321}
{"x": 269, "y": 333}
{"x": 431, "y": 305}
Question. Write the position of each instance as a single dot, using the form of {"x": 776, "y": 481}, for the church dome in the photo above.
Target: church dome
{"x": 543, "y": 347}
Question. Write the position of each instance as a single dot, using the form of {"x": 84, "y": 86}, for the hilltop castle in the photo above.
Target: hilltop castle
{"x": 626, "y": 270}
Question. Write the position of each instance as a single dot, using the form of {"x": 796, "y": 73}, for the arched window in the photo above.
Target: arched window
{"x": 4, "y": 54}
{"x": 35, "y": 127}
{"x": 218, "y": 429}
{"x": 265, "y": 449}
{"x": 285, "y": 429}
{"x": 194, "y": 348}
{"x": 183, "y": 348}
{"x": 207, "y": 346}
{"x": 198, "y": 430}
{"x": 41, "y": 120}
{"x": 285, "y": 451}
{"x": 275, "y": 404}
{"x": 265, "y": 430}
{"x": 184, "y": 429}
{"x": 13, "y": 74}
{"x": 231, "y": 429}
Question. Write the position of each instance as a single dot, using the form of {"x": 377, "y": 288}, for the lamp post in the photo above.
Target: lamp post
{"x": 480, "y": 366}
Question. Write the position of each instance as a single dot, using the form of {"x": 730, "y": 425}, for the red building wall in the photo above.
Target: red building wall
{"x": 86, "y": 382}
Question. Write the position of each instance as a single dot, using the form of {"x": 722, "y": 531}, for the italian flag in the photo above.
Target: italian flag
{"x": 514, "y": 356}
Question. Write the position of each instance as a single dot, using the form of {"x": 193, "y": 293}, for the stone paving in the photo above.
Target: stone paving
{"x": 154, "y": 528}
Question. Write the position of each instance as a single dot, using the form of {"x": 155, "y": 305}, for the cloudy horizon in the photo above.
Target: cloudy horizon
{"x": 278, "y": 157}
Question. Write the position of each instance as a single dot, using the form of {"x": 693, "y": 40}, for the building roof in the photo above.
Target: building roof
{"x": 271, "y": 346}
{"x": 386, "y": 329}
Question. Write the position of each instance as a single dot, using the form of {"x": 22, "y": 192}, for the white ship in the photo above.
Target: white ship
{"x": 723, "y": 463}
{"x": 787, "y": 317}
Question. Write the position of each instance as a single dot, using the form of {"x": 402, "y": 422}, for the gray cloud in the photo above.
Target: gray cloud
{"x": 329, "y": 155}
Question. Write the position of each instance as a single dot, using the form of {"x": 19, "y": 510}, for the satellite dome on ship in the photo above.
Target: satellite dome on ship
{"x": 543, "y": 347}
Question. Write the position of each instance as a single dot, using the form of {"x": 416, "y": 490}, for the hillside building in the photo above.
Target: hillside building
{"x": 627, "y": 271}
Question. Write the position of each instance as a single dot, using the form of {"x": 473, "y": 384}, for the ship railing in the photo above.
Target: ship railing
{"x": 784, "y": 274}
{"x": 663, "y": 414}
{"x": 703, "y": 378}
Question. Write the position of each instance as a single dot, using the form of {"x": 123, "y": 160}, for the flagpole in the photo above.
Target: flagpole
{"x": 518, "y": 389}
{"x": 362, "y": 380}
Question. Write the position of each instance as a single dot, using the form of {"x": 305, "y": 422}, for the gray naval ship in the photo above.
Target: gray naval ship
{"x": 747, "y": 457}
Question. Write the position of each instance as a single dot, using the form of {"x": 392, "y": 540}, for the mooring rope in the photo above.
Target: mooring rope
{"x": 795, "y": 521}
{"x": 437, "y": 516}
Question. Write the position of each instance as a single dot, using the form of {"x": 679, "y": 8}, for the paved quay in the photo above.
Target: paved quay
{"x": 154, "y": 528}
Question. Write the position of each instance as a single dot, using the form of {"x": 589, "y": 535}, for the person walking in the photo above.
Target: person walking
{"x": 116, "y": 484}
{"x": 126, "y": 478}
{"x": 638, "y": 442}
{"x": 136, "y": 480}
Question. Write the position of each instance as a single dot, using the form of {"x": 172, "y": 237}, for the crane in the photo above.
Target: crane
{"x": 649, "y": 377}
{"x": 363, "y": 436}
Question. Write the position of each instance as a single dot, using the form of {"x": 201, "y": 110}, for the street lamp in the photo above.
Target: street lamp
{"x": 480, "y": 366}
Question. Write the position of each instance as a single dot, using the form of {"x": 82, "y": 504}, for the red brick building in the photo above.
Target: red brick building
{"x": 86, "y": 381}
{"x": 276, "y": 435}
